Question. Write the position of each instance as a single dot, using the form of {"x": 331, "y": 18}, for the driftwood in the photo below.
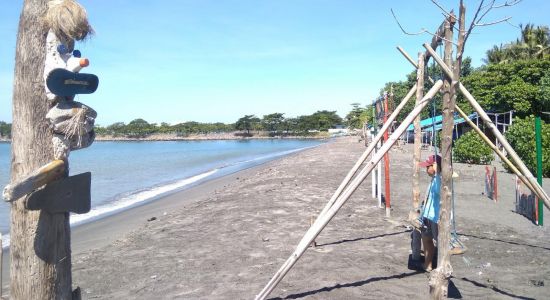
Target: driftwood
{"x": 70, "y": 194}
{"x": 323, "y": 220}
{"x": 42, "y": 176}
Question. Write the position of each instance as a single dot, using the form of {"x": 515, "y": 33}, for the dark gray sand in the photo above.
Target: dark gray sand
{"x": 226, "y": 238}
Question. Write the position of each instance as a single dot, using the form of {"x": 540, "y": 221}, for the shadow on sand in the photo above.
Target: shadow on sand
{"x": 347, "y": 285}
{"x": 502, "y": 241}
{"x": 494, "y": 288}
{"x": 363, "y": 238}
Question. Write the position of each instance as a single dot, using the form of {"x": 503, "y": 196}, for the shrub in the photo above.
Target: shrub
{"x": 471, "y": 149}
{"x": 521, "y": 136}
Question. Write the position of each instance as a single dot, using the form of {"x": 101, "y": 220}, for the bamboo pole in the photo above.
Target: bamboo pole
{"x": 502, "y": 140}
{"x": 522, "y": 176}
{"x": 323, "y": 220}
{"x": 495, "y": 149}
{"x": 498, "y": 136}
{"x": 415, "y": 212}
{"x": 387, "y": 189}
{"x": 369, "y": 149}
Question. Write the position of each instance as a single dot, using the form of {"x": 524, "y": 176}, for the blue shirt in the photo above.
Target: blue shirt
{"x": 431, "y": 207}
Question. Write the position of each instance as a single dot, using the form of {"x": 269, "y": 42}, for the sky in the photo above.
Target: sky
{"x": 218, "y": 60}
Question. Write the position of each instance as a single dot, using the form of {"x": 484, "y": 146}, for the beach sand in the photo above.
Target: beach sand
{"x": 226, "y": 238}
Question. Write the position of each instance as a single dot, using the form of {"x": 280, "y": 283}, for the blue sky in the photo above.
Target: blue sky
{"x": 214, "y": 60}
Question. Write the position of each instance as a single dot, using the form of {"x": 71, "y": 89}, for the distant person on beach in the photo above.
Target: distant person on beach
{"x": 430, "y": 210}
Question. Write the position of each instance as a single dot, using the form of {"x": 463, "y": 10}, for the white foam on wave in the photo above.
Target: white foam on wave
{"x": 138, "y": 197}
{"x": 127, "y": 201}
{"x": 146, "y": 195}
{"x": 277, "y": 154}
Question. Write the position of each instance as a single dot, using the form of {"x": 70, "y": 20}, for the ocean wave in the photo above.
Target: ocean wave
{"x": 128, "y": 201}
{"x": 134, "y": 198}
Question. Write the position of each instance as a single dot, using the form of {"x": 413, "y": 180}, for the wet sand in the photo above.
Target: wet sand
{"x": 224, "y": 239}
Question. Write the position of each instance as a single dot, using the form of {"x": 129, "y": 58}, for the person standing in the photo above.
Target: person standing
{"x": 430, "y": 210}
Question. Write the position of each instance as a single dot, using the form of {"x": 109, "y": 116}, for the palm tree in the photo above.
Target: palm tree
{"x": 534, "y": 43}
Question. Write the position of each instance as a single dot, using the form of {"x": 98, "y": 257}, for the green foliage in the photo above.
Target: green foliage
{"x": 355, "y": 118}
{"x": 273, "y": 122}
{"x": 521, "y": 136}
{"x": 247, "y": 123}
{"x": 522, "y": 86}
{"x": 471, "y": 149}
{"x": 5, "y": 130}
{"x": 534, "y": 43}
{"x": 140, "y": 128}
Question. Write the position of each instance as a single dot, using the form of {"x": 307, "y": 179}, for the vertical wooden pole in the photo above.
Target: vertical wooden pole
{"x": 374, "y": 174}
{"x": 538, "y": 139}
{"x": 415, "y": 213}
{"x": 495, "y": 184}
{"x": 439, "y": 278}
{"x": 387, "y": 162}
{"x": 40, "y": 242}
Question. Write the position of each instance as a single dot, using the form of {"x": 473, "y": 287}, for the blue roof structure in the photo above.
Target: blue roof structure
{"x": 427, "y": 124}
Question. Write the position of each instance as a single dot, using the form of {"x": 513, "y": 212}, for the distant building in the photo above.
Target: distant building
{"x": 338, "y": 130}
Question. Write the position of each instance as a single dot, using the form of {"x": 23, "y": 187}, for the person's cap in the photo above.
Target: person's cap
{"x": 431, "y": 160}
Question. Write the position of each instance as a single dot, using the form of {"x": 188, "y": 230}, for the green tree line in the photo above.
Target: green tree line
{"x": 275, "y": 124}
{"x": 5, "y": 130}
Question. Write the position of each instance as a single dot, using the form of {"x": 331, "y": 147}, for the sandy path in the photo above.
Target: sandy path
{"x": 225, "y": 240}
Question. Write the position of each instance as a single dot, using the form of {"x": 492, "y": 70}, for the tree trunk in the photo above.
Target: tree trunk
{"x": 416, "y": 241}
{"x": 40, "y": 242}
{"x": 439, "y": 278}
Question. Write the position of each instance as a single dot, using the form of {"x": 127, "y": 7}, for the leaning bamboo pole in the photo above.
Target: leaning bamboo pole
{"x": 323, "y": 220}
{"x": 500, "y": 138}
{"x": 369, "y": 149}
{"x": 515, "y": 158}
{"x": 496, "y": 150}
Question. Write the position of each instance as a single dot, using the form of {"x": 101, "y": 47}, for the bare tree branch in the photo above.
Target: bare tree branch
{"x": 508, "y": 3}
{"x": 494, "y": 22}
{"x": 513, "y": 25}
{"x": 422, "y": 30}
{"x": 446, "y": 13}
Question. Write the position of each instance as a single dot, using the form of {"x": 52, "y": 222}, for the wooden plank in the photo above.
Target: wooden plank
{"x": 43, "y": 175}
{"x": 70, "y": 194}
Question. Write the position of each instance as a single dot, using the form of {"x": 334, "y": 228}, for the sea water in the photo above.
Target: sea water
{"x": 127, "y": 174}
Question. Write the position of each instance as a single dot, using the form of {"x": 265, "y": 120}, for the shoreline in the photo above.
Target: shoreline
{"x": 102, "y": 230}
{"x": 202, "y": 137}
{"x": 225, "y": 238}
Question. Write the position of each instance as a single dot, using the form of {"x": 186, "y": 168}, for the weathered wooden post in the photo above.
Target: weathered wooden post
{"x": 46, "y": 126}
{"x": 40, "y": 242}
{"x": 415, "y": 213}
{"x": 439, "y": 278}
